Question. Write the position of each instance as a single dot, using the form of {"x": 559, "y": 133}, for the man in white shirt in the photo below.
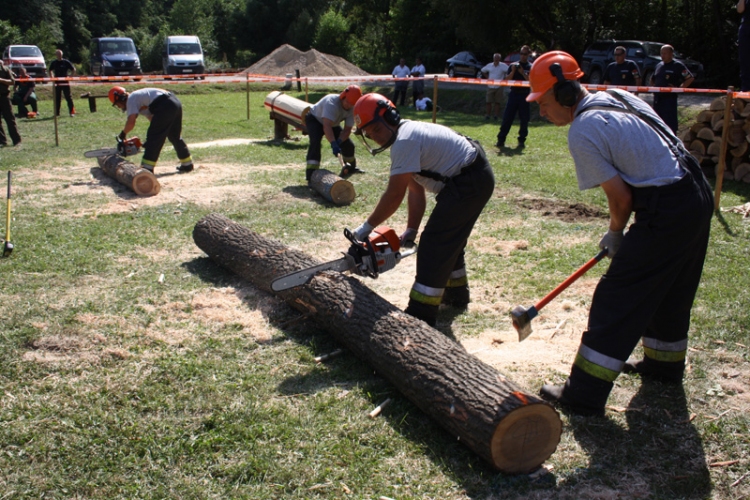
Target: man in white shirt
{"x": 401, "y": 71}
{"x": 495, "y": 70}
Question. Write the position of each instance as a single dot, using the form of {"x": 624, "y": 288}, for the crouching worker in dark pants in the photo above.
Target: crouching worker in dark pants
{"x": 324, "y": 120}
{"x": 428, "y": 157}
{"x": 164, "y": 111}
{"x": 620, "y": 144}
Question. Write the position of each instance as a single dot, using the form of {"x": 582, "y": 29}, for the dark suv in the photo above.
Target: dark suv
{"x": 646, "y": 55}
{"x": 464, "y": 64}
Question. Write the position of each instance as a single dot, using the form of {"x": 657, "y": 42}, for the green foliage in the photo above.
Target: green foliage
{"x": 46, "y": 37}
{"x": 9, "y": 34}
{"x": 332, "y": 34}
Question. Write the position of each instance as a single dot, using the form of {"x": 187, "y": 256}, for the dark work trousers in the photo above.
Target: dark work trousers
{"x": 165, "y": 124}
{"x": 516, "y": 105}
{"x": 61, "y": 89}
{"x": 665, "y": 106}
{"x": 417, "y": 87}
{"x": 316, "y": 134}
{"x": 650, "y": 285}
{"x": 744, "y": 54}
{"x": 400, "y": 92}
{"x": 459, "y": 203}
{"x": 6, "y": 110}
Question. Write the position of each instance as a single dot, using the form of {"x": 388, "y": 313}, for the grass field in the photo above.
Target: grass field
{"x": 132, "y": 366}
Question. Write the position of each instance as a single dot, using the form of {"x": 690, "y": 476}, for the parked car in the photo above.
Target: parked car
{"x": 183, "y": 55}
{"x": 28, "y": 56}
{"x": 646, "y": 55}
{"x": 114, "y": 56}
{"x": 464, "y": 64}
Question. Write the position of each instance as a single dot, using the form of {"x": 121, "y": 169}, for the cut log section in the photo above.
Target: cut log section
{"x": 717, "y": 122}
{"x": 740, "y": 150}
{"x": 735, "y": 135}
{"x": 718, "y": 104}
{"x": 506, "y": 426}
{"x": 741, "y": 170}
{"x": 139, "y": 180}
{"x": 697, "y": 147}
{"x": 714, "y": 149}
{"x": 705, "y": 116}
{"x": 332, "y": 187}
{"x": 706, "y": 134}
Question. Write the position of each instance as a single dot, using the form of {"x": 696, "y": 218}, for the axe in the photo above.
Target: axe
{"x": 522, "y": 316}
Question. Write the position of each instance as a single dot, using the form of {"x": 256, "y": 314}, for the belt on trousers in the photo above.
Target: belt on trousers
{"x": 159, "y": 99}
{"x": 445, "y": 179}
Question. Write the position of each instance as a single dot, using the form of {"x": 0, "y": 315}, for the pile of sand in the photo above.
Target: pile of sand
{"x": 287, "y": 59}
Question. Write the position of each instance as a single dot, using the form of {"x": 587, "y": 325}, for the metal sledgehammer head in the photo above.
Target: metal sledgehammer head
{"x": 522, "y": 317}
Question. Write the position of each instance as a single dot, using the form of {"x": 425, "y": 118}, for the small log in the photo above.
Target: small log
{"x": 332, "y": 187}
{"x": 687, "y": 136}
{"x": 698, "y": 126}
{"x": 718, "y": 104}
{"x": 705, "y": 116}
{"x": 739, "y": 151}
{"x": 706, "y": 134}
{"x": 717, "y": 122}
{"x": 698, "y": 146}
{"x": 734, "y": 162}
{"x": 745, "y": 111}
{"x": 728, "y": 175}
{"x": 746, "y": 179}
{"x": 735, "y": 135}
{"x": 741, "y": 171}
{"x": 513, "y": 430}
{"x": 714, "y": 149}
{"x": 139, "y": 180}
{"x": 739, "y": 106}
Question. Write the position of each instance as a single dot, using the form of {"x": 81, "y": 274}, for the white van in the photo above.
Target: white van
{"x": 183, "y": 55}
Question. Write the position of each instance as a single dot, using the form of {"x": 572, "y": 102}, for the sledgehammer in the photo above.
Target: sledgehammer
{"x": 7, "y": 246}
{"x": 522, "y": 316}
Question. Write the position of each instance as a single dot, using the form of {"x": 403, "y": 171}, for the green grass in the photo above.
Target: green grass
{"x": 118, "y": 385}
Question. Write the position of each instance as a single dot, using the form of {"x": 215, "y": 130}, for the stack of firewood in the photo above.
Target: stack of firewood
{"x": 703, "y": 139}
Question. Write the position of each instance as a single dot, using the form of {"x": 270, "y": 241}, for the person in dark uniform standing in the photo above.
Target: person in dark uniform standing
{"x": 7, "y": 79}
{"x": 428, "y": 157}
{"x": 622, "y": 71}
{"x": 517, "y": 101}
{"x": 619, "y": 144}
{"x": 164, "y": 111}
{"x": 62, "y": 68}
{"x": 669, "y": 73}
{"x": 743, "y": 40}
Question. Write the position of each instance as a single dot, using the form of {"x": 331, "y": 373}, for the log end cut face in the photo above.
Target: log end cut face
{"x": 146, "y": 184}
{"x": 525, "y": 438}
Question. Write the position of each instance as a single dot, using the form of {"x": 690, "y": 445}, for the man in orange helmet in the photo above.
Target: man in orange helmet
{"x": 620, "y": 144}
{"x": 164, "y": 112}
{"x": 324, "y": 120}
{"x": 428, "y": 157}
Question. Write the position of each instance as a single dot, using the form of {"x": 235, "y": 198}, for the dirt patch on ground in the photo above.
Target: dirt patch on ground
{"x": 287, "y": 59}
{"x": 564, "y": 211}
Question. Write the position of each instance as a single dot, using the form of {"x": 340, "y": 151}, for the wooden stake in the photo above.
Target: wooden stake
{"x": 724, "y": 142}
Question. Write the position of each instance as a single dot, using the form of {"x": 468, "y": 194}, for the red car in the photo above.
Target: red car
{"x": 28, "y": 56}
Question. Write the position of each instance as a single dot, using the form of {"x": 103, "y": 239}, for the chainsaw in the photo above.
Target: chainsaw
{"x": 380, "y": 253}
{"x": 128, "y": 147}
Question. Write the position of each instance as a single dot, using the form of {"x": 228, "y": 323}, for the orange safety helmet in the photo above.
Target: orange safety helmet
{"x": 541, "y": 76}
{"x": 117, "y": 94}
{"x": 371, "y": 107}
{"x": 351, "y": 94}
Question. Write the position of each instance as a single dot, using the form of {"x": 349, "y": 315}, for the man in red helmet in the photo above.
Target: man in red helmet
{"x": 620, "y": 144}
{"x": 164, "y": 111}
{"x": 324, "y": 120}
{"x": 428, "y": 157}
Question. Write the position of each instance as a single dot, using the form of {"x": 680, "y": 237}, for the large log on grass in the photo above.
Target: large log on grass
{"x": 510, "y": 428}
{"x": 332, "y": 187}
{"x": 139, "y": 180}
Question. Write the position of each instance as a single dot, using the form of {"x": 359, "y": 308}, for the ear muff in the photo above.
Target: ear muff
{"x": 391, "y": 116}
{"x": 566, "y": 91}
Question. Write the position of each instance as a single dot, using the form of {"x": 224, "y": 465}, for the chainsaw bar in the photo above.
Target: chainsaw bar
{"x": 98, "y": 153}
{"x": 301, "y": 277}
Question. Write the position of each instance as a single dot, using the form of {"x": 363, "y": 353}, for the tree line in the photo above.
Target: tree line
{"x": 374, "y": 34}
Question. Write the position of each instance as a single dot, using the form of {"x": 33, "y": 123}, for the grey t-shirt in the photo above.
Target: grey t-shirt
{"x": 139, "y": 100}
{"x": 330, "y": 107}
{"x": 428, "y": 146}
{"x": 607, "y": 143}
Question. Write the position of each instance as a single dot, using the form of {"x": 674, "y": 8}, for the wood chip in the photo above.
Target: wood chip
{"x": 723, "y": 464}
{"x": 743, "y": 476}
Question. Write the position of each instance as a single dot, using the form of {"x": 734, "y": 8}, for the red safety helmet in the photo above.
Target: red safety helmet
{"x": 371, "y": 107}
{"x": 117, "y": 94}
{"x": 351, "y": 94}
{"x": 541, "y": 77}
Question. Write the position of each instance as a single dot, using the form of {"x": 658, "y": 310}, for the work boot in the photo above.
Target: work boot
{"x": 556, "y": 394}
{"x": 521, "y": 143}
{"x": 183, "y": 169}
{"x": 456, "y": 296}
{"x": 146, "y": 166}
{"x": 670, "y": 373}
{"x": 425, "y": 312}
{"x": 309, "y": 173}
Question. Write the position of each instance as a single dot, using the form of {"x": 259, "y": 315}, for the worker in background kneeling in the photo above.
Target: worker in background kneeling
{"x": 324, "y": 120}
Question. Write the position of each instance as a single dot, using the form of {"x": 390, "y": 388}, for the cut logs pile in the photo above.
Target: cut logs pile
{"x": 703, "y": 138}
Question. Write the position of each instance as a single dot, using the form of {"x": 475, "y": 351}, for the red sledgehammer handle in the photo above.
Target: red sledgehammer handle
{"x": 565, "y": 284}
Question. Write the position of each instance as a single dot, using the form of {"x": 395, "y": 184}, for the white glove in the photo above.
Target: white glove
{"x": 408, "y": 237}
{"x": 611, "y": 240}
{"x": 363, "y": 231}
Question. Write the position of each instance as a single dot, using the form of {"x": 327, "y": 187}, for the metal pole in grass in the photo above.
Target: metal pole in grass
{"x": 434, "y": 98}
{"x": 247, "y": 93}
{"x": 723, "y": 154}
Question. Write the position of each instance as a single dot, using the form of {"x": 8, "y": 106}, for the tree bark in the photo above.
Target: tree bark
{"x": 139, "y": 180}
{"x": 511, "y": 429}
{"x": 332, "y": 187}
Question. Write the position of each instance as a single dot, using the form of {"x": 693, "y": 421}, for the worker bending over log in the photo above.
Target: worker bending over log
{"x": 619, "y": 143}
{"x": 324, "y": 120}
{"x": 428, "y": 157}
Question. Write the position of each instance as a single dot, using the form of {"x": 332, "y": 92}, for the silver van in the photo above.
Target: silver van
{"x": 183, "y": 55}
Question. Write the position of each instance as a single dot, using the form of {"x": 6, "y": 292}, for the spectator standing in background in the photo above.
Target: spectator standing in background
{"x": 517, "y": 101}
{"x": 401, "y": 71}
{"x": 669, "y": 73}
{"x": 622, "y": 71}
{"x": 62, "y": 68}
{"x": 496, "y": 70}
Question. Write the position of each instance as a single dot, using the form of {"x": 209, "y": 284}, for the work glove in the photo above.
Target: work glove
{"x": 408, "y": 238}
{"x": 336, "y": 147}
{"x": 363, "y": 231}
{"x": 122, "y": 135}
{"x": 611, "y": 240}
